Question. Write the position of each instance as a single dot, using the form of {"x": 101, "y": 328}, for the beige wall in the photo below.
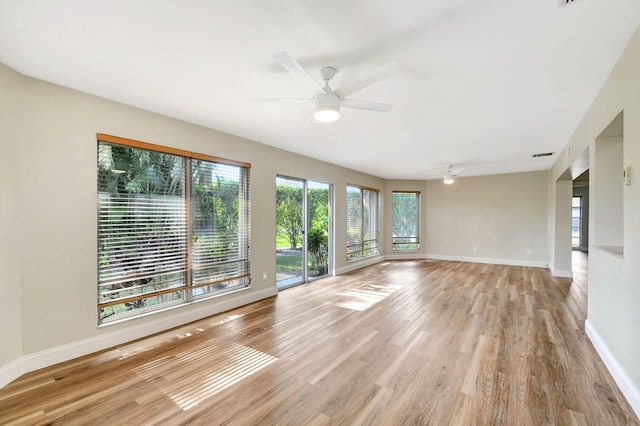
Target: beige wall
{"x": 607, "y": 191}
{"x": 49, "y": 184}
{"x": 10, "y": 232}
{"x": 614, "y": 281}
{"x": 560, "y": 259}
{"x": 504, "y": 217}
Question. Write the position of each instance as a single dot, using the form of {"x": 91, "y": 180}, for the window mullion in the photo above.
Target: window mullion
{"x": 189, "y": 259}
{"x": 362, "y": 228}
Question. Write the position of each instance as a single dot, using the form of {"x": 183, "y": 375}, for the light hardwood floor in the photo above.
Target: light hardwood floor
{"x": 402, "y": 342}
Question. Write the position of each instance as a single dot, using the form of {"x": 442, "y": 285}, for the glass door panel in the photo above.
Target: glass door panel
{"x": 289, "y": 231}
{"x": 318, "y": 219}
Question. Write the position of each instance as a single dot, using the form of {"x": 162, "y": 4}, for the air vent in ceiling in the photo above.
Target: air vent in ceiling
{"x": 543, "y": 154}
{"x": 567, "y": 2}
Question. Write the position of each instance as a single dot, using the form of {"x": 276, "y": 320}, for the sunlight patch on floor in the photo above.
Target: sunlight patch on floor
{"x": 215, "y": 366}
{"x": 363, "y": 298}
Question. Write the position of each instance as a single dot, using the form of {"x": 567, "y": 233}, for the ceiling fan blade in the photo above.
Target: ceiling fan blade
{"x": 456, "y": 171}
{"x": 371, "y": 106}
{"x": 290, "y": 63}
{"x": 368, "y": 79}
{"x": 291, "y": 100}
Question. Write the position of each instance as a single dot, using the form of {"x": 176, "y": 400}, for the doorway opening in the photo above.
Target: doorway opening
{"x": 303, "y": 231}
{"x": 580, "y": 213}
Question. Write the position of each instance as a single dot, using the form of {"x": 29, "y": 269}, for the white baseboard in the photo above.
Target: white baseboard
{"x": 109, "y": 339}
{"x": 11, "y": 371}
{"x": 406, "y": 256}
{"x": 560, "y": 273}
{"x": 359, "y": 264}
{"x": 414, "y": 256}
{"x": 630, "y": 390}
{"x": 510, "y": 262}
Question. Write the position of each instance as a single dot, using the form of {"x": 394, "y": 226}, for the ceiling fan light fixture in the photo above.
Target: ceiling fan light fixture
{"x": 327, "y": 107}
{"x": 326, "y": 114}
{"x": 448, "y": 179}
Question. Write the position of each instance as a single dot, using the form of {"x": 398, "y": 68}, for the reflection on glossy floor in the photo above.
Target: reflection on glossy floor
{"x": 403, "y": 342}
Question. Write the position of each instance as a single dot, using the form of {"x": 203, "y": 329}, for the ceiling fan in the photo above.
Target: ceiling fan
{"x": 327, "y": 102}
{"x": 449, "y": 174}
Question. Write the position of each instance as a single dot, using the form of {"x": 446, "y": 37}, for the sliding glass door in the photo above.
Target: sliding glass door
{"x": 302, "y": 230}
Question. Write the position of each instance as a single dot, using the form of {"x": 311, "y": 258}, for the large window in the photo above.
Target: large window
{"x": 173, "y": 227}
{"x": 405, "y": 217}
{"x": 576, "y": 221}
{"x": 362, "y": 222}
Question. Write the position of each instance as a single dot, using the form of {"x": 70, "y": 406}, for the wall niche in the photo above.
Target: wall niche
{"x": 607, "y": 184}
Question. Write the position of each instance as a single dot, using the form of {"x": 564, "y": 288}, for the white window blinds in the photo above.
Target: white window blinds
{"x": 362, "y": 222}
{"x": 172, "y": 226}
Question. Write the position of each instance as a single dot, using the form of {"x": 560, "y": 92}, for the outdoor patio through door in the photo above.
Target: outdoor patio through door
{"x": 302, "y": 230}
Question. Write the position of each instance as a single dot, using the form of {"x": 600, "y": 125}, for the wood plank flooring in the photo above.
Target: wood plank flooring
{"x": 402, "y": 342}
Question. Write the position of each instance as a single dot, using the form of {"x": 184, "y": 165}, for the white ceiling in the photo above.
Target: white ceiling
{"x": 480, "y": 83}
